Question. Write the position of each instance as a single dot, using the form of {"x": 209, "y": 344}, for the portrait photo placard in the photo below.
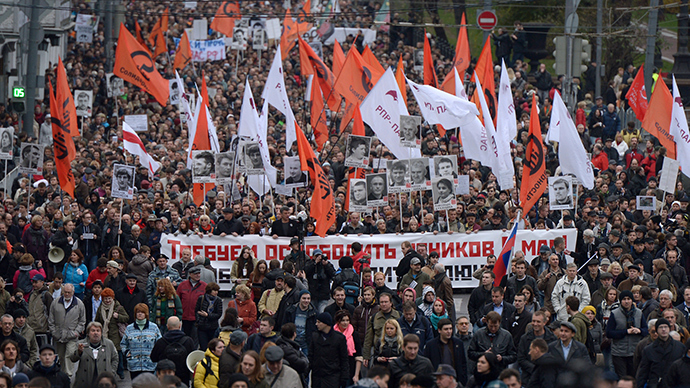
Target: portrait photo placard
{"x": 225, "y": 162}
{"x": 411, "y": 131}
{"x": 358, "y": 195}
{"x": 446, "y": 166}
{"x": 253, "y": 162}
{"x": 123, "y": 181}
{"x": 377, "y": 190}
{"x": 560, "y": 193}
{"x": 6, "y": 143}
{"x": 357, "y": 151}
{"x": 443, "y": 194}
{"x": 420, "y": 178}
{"x": 294, "y": 176}
{"x": 398, "y": 173}
{"x": 83, "y": 100}
{"x": 31, "y": 160}
{"x": 203, "y": 167}
{"x": 646, "y": 202}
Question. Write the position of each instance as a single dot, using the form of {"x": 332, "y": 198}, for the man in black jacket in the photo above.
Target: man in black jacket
{"x": 174, "y": 336}
{"x": 479, "y": 297}
{"x": 319, "y": 273}
{"x": 228, "y": 225}
{"x": 497, "y": 304}
{"x": 129, "y": 296}
{"x": 539, "y": 330}
{"x": 404, "y": 264}
{"x": 446, "y": 349}
{"x": 328, "y": 355}
{"x": 291, "y": 349}
{"x": 658, "y": 356}
{"x": 545, "y": 368}
{"x": 577, "y": 352}
{"x": 89, "y": 235}
{"x": 409, "y": 362}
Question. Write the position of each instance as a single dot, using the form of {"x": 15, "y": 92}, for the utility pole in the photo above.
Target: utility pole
{"x": 108, "y": 33}
{"x": 600, "y": 30}
{"x": 651, "y": 42}
{"x": 488, "y": 4}
{"x": 35, "y": 36}
{"x": 571, "y": 24}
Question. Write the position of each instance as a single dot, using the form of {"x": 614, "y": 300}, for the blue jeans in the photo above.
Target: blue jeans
{"x": 91, "y": 262}
{"x": 120, "y": 364}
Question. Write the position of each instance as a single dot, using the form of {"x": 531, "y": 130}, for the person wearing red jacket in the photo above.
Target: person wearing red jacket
{"x": 357, "y": 254}
{"x": 189, "y": 291}
{"x": 599, "y": 158}
{"x": 98, "y": 273}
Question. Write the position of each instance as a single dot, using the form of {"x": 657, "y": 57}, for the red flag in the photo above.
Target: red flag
{"x": 356, "y": 78}
{"x": 133, "y": 63}
{"x": 657, "y": 120}
{"x": 534, "y": 180}
{"x": 637, "y": 96}
{"x": 485, "y": 72}
{"x": 429, "y": 70}
{"x": 318, "y": 116}
{"x": 355, "y": 173}
{"x": 183, "y": 55}
{"x": 338, "y": 58}
{"x": 63, "y": 121}
{"x": 461, "y": 61}
{"x": 322, "y": 74}
{"x": 224, "y": 21}
{"x": 400, "y": 79}
{"x": 140, "y": 39}
{"x": 322, "y": 203}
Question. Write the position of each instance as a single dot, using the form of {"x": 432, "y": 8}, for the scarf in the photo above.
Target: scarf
{"x": 392, "y": 342}
{"x": 141, "y": 323}
{"x": 629, "y": 316}
{"x": 348, "y": 336}
{"x": 106, "y": 315}
{"x": 435, "y": 318}
{"x": 211, "y": 301}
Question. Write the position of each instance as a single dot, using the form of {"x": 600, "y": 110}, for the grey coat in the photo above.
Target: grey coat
{"x": 66, "y": 324}
{"x": 106, "y": 362}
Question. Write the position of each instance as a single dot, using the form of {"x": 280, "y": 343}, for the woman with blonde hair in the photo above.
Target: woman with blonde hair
{"x": 616, "y": 270}
{"x": 246, "y": 308}
{"x": 205, "y": 227}
{"x": 164, "y": 304}
{"x": 390, "y": 344}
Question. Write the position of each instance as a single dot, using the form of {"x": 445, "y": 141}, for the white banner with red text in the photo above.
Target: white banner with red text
{"x": 461, "y": 253}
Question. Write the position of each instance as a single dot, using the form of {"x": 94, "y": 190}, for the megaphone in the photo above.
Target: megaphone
{"x": 56, "y": 254}
{"x": 193, "y": 358}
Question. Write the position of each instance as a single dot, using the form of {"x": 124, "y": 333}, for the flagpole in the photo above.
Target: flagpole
{"x": 119, "y": 226}
{"x": 401, "y": 211}
{"x": 5, "y": 178}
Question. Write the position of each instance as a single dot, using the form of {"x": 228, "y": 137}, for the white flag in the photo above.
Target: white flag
{"x": 133, "y": 145}
{"x": 491, "y": 154}
{"x": 679, "y": 130}
{"x": 571, "y": 153}
{"x": 187, "y": 111}
{"x": 459, "y": 85}
{"x": 439, "y": 107}
{"x": 275, "y": 94}
{"x": 506, "y": 130}
{"x": 381, "y": 109}
{"x": 251, "y": 126}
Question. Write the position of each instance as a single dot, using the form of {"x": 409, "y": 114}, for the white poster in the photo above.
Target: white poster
{"x": 645, "y": 202}
{"x": 84, "y": 102}
{"x": 139, "y": 123}
{"x": 115, "y": 85}
{"x": 239, "y": 39}
{"x": 252, "y": 163}
{"x": 398, "y": 176}
{"x": 411, "y": 131}
{"x": 123, "y": 181}
{"x": 358, "y": 195}
{"x": 377, "y": 190}
{"x": 357, "y": 151}
{"x": 294, "y": 176}
{"x": 420, "y": 178}
{"x": 273, "y": 28}
{"x": 174, "y": 90}
{"x": 443, "y": 192}
{"x": 31, "y": 161}
{"x": 462, "y": 253}
{"x": 225, "y": 163}
{"x": 6, "y": 143}
{"x": 207, "y": 50}
{"x": 560, "y": 193}
{"x": 669, "y": 175}
{"x": 84, "y": 34}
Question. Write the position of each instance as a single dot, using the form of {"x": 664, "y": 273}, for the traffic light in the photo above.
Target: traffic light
{"x": 581, "y": 55}
{"x": 559, "y": 55}
{"x": 19, "y": 99}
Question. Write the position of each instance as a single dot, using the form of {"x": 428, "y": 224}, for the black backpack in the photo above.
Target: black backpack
{"x": 351, "y": 286}
{"x": 589, "y": 344}
{"x": 176, "y": 352}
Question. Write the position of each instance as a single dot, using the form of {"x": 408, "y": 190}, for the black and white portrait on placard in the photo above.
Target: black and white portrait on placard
{"x": 443, "y": 194}
{"x": 225, "y": 162}
{"x": 174, "y": 92}
{"x": 257, "y": 32}
{"x": 239, "y": 39}
{"x": 6, "y": 143}
{"x": 84, "y": 102}
{"x": 123, "y": 181}
{"x": 377, "y": 190}
{"x": 203, "y": 167}
{"x": 357, "y": 151}
{"x": 419, "y": 60}
{"x": 253, "y": 163}
{"x": 446, "y": 166}
{"x": 358, "y": 195}
{"x": 31, "y": 158}
{"x": 115, "y": 85}
{"x": 398, "y": 175}
{"x": 560, "y": 193}
{"x": 411, "y": 131}
{"x": 294, "y": 176}
{"x": 420, "y": 178}
{"x": 645, "y": 202}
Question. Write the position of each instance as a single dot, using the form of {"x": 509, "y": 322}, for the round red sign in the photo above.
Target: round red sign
{"x": 487, "y": 20}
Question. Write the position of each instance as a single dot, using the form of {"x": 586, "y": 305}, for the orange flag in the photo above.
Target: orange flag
{"x": 201, "y": 142}
{"x": 63, "y": 122}
{"x": 318, "y": 116}
{"x": 305, "y": 66}
{"x": 400, "y": 79}
{"x": 534, "y": 180}
{"x": 657, "y": 120}
{"x": 322, "y": 203}
{"x": 338, "y": 58}
{"x": 637, "y": 97}
{"x": 485, "y": 72}
{"x": 429, "y": 70}
{"x": 161, "y": 44}
{"x": 161, "y": 27}
{"x": 322, "y": 74}
{"x": 224, "y": 21}
{"x": 140, "y": 39}
{"x": 370, "y": 58}
{"x": 289, "y": 36}
{"x": 183, "y": 55}
{"x": 133, "y": 63}
{"x": 356, "y": 78}
{"x": 461, "y": 61}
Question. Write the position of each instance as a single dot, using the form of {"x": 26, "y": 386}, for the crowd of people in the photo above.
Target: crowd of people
{"x": 112, "y": 304}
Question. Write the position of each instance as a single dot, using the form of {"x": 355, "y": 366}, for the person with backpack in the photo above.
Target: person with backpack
{"x": 206, "y": 372}
{"x": 347, "y": 278}
{"x": 339, "y": 303}
{"x": 26, "y": 272}
{"x": 138, "y": 342}
{"x": 175, "y": 345}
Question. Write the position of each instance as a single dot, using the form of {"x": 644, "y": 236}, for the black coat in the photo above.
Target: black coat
{"x": 129, "y": 300}
{"x": 544, "y": 373}
{"x": 293, "y": 355}
{"x": 478, "y": 299}
{"x": 523, "y": 358}
{"x": 57, "y": 378}
{"x": 401, "y": 366}
{"x": 656, "y": 361}
{"x": 289, "y": 299}
{"x": 158, "y": 352}
{"x": 319, "y": 278}
{"x": 229, "y": 227}
{"x": 679, "y": 373}
{"x": 211, "y": 321}
{"x": 291, "y": 314}
{"x": 578, "y": 353}
{"x": 227, "y": 366}
{"x": 404, "y": 264}
{"x": 506, "y": 316}
{"x": 328, "y": 358}
{"x": 434, "y": 352}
